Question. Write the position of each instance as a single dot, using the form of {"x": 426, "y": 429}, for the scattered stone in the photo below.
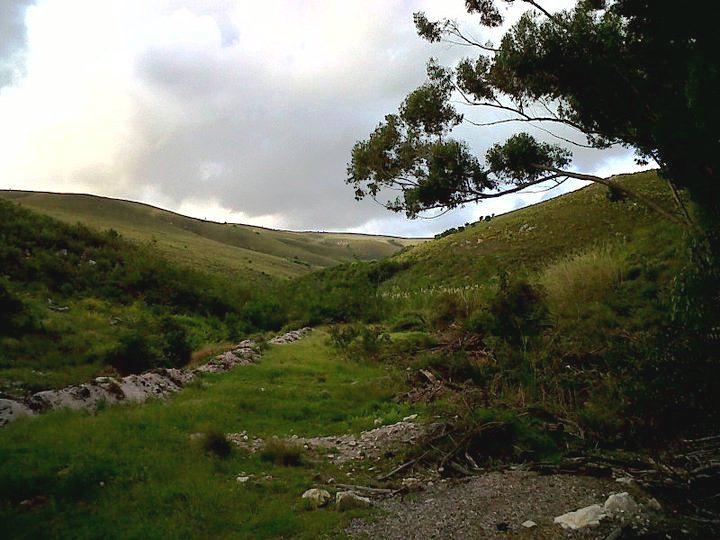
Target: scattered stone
{"x": 625, "y": 480}
{"x": 590, "y": 516}
{"x": 242, "y": 479}
{"x": 349, "y": 500}
{"x": 410, "y": 418}
{"x": 316, "y": 498}
{"x": 620, "y": 505}
{"x": 529, "y": 524}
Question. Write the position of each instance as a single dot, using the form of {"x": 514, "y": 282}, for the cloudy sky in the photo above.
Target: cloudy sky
{"x": 233, "y": 110}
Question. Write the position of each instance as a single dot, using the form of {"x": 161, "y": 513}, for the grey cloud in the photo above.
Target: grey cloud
{"x": 12, "y": 37}
{"x": 212, "y": 122}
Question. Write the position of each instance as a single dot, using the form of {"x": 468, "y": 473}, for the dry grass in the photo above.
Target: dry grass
{"x": 583, "y": 278}
{"x": 282, "y": 452}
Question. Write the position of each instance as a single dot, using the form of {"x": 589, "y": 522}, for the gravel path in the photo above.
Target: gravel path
{"x": 490, "y": 506}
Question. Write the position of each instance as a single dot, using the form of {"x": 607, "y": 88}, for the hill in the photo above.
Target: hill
{"x": 527, "y": 239}
{"x": 225, "y": 248}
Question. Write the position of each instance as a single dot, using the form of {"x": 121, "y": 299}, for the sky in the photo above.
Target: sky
{"x": 230, "y": 110}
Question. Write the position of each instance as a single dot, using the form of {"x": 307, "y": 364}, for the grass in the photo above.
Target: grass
{"x": 230, "y": 250}
{"x": 582, "y": 278}
{"x": 524, "y": 241}
{"x": 133, "y": 471}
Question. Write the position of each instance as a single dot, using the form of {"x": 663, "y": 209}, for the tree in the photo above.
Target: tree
{"x": 642, "y": 74}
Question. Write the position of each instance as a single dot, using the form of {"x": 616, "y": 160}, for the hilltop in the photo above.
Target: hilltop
{"x": 228, "y": 249}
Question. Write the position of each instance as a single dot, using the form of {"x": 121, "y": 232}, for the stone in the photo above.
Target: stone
{"x": 590, "y": 516}
{"x": 410, "y": 418}
{"x": 529, "y": 524}
{"x": 316, "y": 498}
{"x": 620, "y": 505}
{"x": 349, "y": 500}
{"x": 11, "y": 410}
{"x": 242, "y": 479}
{"x": 654, "y": 504}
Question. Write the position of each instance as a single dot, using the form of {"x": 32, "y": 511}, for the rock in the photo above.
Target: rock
{"x": 529, "y": 524}
{"x": 625, "y": 480}
{"x": 316, "y": 498}
{"x": 410, "y": 418}
{"x": 589, "y": 516}
{"x": 654, "y": 504}
{"x": 348, "y": 500}
{"x": 242, "y": 479}
{"x": 620, "y": 505}
{"x": 11, "y": 410}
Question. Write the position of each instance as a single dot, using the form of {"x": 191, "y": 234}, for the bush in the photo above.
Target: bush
{"x": 150, "y": 344}
{"x": 15, "y": 316}
{"x": 359, "y": 341}
{"x": 281, "y": 452}
{"x": 518, "y": 311}
{"x": 447, "y": 310}
{"x": 575, "y": 281}
{"x": 408, "y": 321}
{"x": 216, "y": 444}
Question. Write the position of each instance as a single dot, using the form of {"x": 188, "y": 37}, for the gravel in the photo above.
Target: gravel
{"x": 494, "y": 505}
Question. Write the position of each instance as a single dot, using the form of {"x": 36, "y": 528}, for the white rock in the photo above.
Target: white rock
{"x": 620, "y": 505}
{"x": 410, "y": 418}
{"x": 348, "y": 500}
{"x": 11, "y": 410}
{"x": 529, "y": 524}
{"x": 317, "y": 498}
{"x": 589, "y": 516}
{"x": 242, "y": 479}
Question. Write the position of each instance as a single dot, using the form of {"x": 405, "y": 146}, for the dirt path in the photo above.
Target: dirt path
{"x": 493, "y": 505}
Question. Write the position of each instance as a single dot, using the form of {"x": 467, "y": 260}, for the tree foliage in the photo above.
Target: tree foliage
{"x": 637, "y": 73}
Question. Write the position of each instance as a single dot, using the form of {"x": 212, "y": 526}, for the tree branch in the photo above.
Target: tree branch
{"x": 622, "y": 189}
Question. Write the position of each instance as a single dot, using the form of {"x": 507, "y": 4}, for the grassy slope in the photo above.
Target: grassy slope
{"x": 160, "y": 483}
{"x": 219, "y": 248}
{"x": 528, "y": 239}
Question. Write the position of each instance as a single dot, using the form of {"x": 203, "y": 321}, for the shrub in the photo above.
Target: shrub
{"x": 447, "y": 310}
{"x": 579, "y": 279}
{"x": 359, "y": 340}
{"x": 216, "y": 444}
{"x": 149, "y": 344}
{"x": 519, "y": 311}
{"x": 281, "y": 452}
{"x": 408, "y": 321}
{"x": 15, "y": 316}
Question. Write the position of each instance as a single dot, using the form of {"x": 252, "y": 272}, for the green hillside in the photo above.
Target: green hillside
{"x": 530, "y": 238}
{"x": 228, "y": 249}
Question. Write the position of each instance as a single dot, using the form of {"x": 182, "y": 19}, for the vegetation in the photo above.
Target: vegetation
{"x": 229, "y": 250}
{"x": 139, "y": 470}
{"x": 593, "y": 69}
{"x": 76, "y": 301}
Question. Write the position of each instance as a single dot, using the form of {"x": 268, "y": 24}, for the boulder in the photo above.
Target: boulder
{"x": 348, "y": 500}
{"x": 316, "y": 498}
{"x": 11, "y": 410}
{"x": 620, "y": 505}
{"x": 589, "y": 516}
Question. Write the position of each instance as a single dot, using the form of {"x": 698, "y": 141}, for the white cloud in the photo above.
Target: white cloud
{"x": 231, "y": 110}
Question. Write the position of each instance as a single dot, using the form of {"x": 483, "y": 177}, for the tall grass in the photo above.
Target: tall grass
{"x": 579, "y": 279}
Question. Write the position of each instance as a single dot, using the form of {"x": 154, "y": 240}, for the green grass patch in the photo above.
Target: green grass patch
{"x": 134, "y": 471}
